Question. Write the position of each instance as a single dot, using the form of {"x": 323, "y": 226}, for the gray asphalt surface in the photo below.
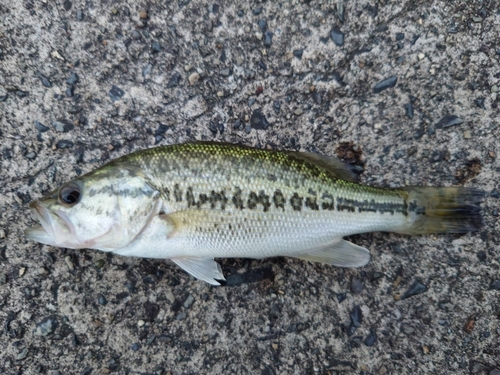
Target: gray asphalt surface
{"x": 83, "y": 82}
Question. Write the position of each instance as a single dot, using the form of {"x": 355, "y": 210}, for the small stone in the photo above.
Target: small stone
{"x": 135, "y": 347}
{"x": 140, "y": 323}
{"x": 63, "y": 143}
{"x": 494, "y": 88}
{"x": 70, "y": 91}
{"x": 495, "y": 285}
{"x": 341, "y": 10}
{"x": 102, "y": 300}
{"x": 477, "y": 19}
{"x": 262, "y": 25}
{"x": 400, "y": 36}
{"x": 467, "y": 134}
{"x": 189, "y": 301}
{"x": 46, "y": 326}
{"x": 194, "y": 78}
{"x": 268, "y": 39}
{"x": 337, "y": 36}
{"x": 31, "y": 155}
{"x": 385, "y": 84}
{"x": 371, "y": 338}
{"x": 495, "y": 193}
{"x": 420, "y": 56}
{"x": 22, "y": 271}
{"x": 275, "y": 346}
{"x": 42, "y": 271}
{"x": 155, "y": 47}
{"x": 409, "y": 110}
{"x": 174, "y": 80}
{"x": 407, "y": 329}
{"x": 116, "y": 93}
{"x": 67, "y": 5}
{"x": 425, "y": 349}
{"x": 181, "y": 316}
{"x": 414, "y": 289}
{"x": 258, "y": 120}
{"x": 114, "y": 11}
{"x": 356, "y": 319}
{"x": 257, "y": 11}
{"x": 63, "y": 125}
{"x": 356, "y": 286}
{"x": 72, "y": 79}
{"x": 22, "y": 355}
{"x": 69, "y": 263}
{"x": 45, "y": 80}
{"x": 298, "y": 53}
{"x": 143, "y": 15}
{"x": 298, "y": 112}
{"x": 448, "y": 121}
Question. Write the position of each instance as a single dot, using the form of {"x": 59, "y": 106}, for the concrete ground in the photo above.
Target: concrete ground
{"x": 406, "y": 90}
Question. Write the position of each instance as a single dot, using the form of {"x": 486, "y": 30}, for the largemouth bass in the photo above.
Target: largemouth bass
{"x": 192, "y": 203}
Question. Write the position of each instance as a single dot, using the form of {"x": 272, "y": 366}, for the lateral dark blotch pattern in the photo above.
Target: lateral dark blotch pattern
{"x": 328, "y": 203}
{"x": 350, "y": 205}
{"x": 216, "y": 197}
{"x": 296, "y": 202}
{"x": 312, "y": 203}
{"x": 177, "y": 193}
{"x": 237, "y": 199}
{"x": 279, "y": 199}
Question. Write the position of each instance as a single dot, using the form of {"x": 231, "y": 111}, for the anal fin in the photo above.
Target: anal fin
{"x": 341, "y": 253}
{"x": 206, "y": 269}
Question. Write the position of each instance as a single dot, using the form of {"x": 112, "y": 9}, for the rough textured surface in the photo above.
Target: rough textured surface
{"x": 82, "y": 82}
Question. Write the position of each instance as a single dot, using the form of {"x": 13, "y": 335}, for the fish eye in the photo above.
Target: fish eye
{"x": 70, "y": 193}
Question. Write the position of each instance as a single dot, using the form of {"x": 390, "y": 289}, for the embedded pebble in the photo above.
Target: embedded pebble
{"x": 356, "y": 286}
{"x": 116, "y": 93}
{"x": 47, "y": 326}
{"x": 298, "y": 53}
{"x": 268, "y": 38}
{"x": 72, "y": 79}
{"x": 63, "y": 143}
{"x": 194, "y": 78}
{"x": 448, "y": 121}
{"x": 258, "y": 120}
{"x": 495, "y": 285}
{"x": 385, "y": 84}
{"x": 174, "y": 80}
{"x": 337, "y": 36}
{"x": 371, "y": 338}
{"x": 189, "y": 301}
{"x": 181, "y": 316}
{"x": 63, "y": 125}
{"x": 414, "y": 289}
{"x": 45, "y": 80}
{"x": 262, "y": 25}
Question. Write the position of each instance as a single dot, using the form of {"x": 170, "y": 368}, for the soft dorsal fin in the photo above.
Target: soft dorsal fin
{"x": 333, "y": 165}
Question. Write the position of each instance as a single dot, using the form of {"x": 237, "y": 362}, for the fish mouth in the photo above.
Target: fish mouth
{"x": 56, "y": 227}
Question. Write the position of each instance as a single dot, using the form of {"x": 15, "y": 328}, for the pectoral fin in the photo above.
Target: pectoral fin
{"x": 206, "y": 269}
{"x": 342, "y": 253}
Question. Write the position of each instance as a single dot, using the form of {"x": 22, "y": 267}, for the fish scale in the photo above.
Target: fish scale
{"x": 195, "y": 202}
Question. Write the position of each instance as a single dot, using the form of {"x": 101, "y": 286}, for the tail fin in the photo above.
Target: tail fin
{"x": 443, "y": 210}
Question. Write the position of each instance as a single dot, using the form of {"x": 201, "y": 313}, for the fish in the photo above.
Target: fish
{"x": 195, "y": 202}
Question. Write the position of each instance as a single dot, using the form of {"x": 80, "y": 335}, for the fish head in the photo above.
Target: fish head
{"x": 102, "y": 210}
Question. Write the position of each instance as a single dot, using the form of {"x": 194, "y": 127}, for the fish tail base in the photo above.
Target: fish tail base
{"x": 443, "y": 210}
